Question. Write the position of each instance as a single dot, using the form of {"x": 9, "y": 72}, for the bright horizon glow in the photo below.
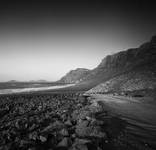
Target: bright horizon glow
{"x": 43, "y": 40}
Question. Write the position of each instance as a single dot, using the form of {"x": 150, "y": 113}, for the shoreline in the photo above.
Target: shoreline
{"x": 36, "y": 89}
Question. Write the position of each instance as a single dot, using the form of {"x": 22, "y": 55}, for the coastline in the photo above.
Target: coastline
{"x": 21, "y": 90}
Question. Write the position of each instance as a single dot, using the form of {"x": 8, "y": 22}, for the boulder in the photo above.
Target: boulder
{"x": 83, "y": 132}
{"x": 80, "y": 114}
{"x": 82, "y": 141}
{"x": 79, "y": 147}
{"x": 68, "y": 123}
{"x": 64, "y": 142}
{"x": 97, "y": 133}
{"x": 64, "y": 132}
{"x": 43, "y": 138}
{"x": 33, "y": 135}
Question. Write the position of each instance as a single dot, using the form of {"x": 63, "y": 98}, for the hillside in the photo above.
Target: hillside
{"x": 127, "y": 82}
{"x": 74, "y": 76}
{"x": 134, "y": 67}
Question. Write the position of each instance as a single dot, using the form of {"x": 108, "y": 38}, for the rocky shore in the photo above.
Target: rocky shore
{"x": 57, "y": 122}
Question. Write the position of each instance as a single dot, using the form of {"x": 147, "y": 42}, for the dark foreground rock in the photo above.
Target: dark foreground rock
{"x": 55, "y": 122}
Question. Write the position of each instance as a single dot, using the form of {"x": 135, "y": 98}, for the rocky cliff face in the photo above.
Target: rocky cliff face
{"x": 136, "y": 59}
{"x": 74, "y": 76}
{"x": 132, "y": 57}
{"x": 132, "y": 68}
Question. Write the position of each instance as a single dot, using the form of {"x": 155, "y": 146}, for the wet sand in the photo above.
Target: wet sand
{"x": 140, "y": 117}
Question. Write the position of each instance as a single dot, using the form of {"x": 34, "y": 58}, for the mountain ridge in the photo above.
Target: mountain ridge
{"x": 137, "y": 60}
{"x": 74, "y": 76}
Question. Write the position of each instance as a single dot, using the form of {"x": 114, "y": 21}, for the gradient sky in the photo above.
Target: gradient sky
{"x": 44, "y": 40}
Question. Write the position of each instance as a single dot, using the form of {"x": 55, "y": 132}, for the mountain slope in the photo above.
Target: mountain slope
{"x": 74, "y": 76}
{"x": 137, "y": 80}
{"x": 138, "y": 60}
{"x": 134, "y": 67}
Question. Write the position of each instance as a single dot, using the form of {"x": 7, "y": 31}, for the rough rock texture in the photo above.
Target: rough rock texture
{"x": 60, "y": 122}
{"x": 127, "y": 82}
{"x": 57, "y": 121}
{"x": 121, "y": 66}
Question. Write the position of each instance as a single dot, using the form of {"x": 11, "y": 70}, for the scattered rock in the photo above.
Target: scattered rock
{"x": 64, "y": 132}
{"x": 52, "y": 123}
{"x": 24, "y": 142}
{"x": 43, "y": 138}
{"x": 97, "y": 133}
{"x": 82, "y": 141}
{"x": 64, "y": 143}
{"x": 68, "y": 123}
{"x": 83, "y": 132}
{"x": 79, "y": 147}
{"x": 33, "y": 135}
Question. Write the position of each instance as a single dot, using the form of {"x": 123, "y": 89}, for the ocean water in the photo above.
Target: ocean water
{"x": 21, "y": 90}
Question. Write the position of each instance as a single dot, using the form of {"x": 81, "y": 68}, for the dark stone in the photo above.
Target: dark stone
{"x": 64, "y": 132}
{"x": 64, "y": 142}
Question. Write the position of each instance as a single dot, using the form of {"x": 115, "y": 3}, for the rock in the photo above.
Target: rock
{"x": 33, "y": 135}
{"x": 68, "y": 123}
{"x": 95, "y": 122}
{"x": 96, "y": 107}
{"x": 49, "y": 127}
{"x": 73, "y": 135}
{"x": 24, "y": 142}
{"x": 43, "y": 138}
{"x": 64, "y": 143}
{"x": 83, "y": 114}
{"x": 32, "y": 127}
{"x": 80, "y": 114}
{"x": 97, "y": 133}
{"x": 82, "y": 123}
{"x": 17, "y": 124}
{"x": 82, "y": 141}
{"x": 98, "y": 148}
{"x": 83, "y": 132}
{"x": 64, "y": 132}
{"x": 89, "y": 118}
{"x": 82, "y": 129}
{"x": 64, "y": 116}
{"x": 56, "y": 125}
{"x": 79, "y": 147}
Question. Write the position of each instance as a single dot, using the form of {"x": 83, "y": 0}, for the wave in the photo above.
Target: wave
{"x": 10, "y": 91}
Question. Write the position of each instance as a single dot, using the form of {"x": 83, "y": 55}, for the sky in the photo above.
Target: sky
{"x": 46, "y": 39}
